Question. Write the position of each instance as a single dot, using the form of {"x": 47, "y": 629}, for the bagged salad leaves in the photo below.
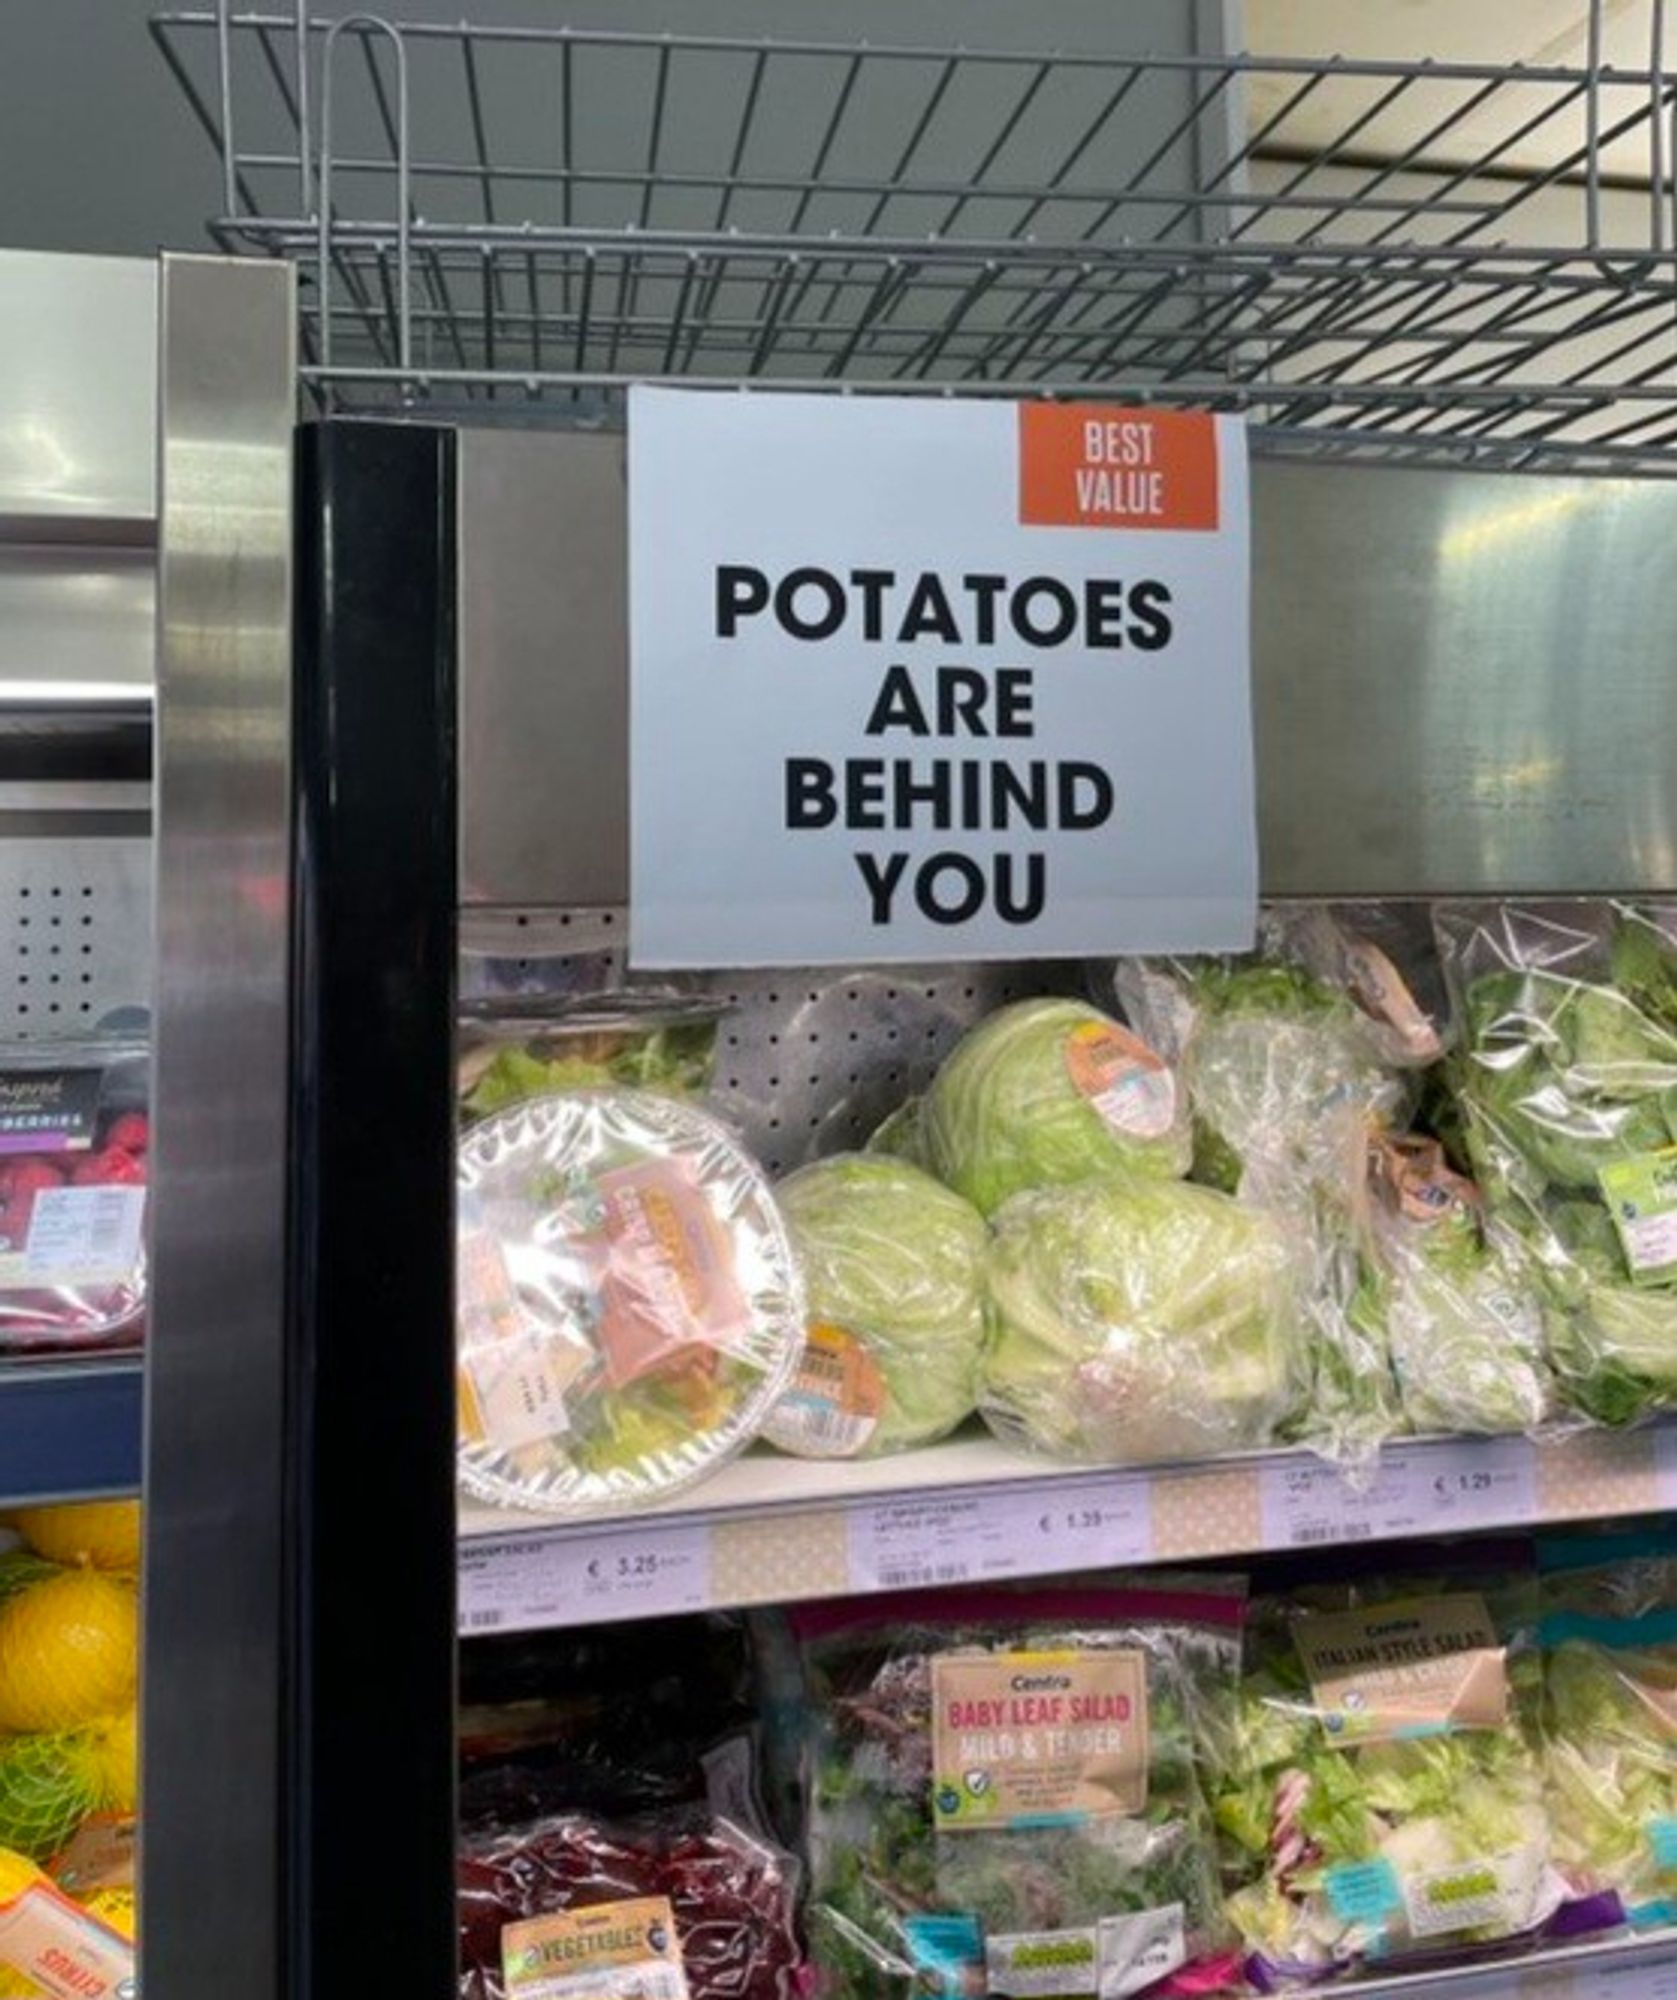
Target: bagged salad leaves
{"x": 1291, "y": 1056}
{"x": 1045, "y": 1093}
{"x": 893, "y": 1272}
{"x": 1609, "y": 1637}
{"x": 516, "y": 1047}
{"x": 1382, "y": 1794}
{"x": 1003, "y": 1791}
{"x": 1567, "y": 1079}
{"x": 1136, "y": 1320}
{"x": 1453, "y": 1298}
{"x": 629, "y": 1308}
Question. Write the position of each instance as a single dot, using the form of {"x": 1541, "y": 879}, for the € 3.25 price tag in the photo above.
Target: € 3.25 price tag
{"x": 511, "y": 1583}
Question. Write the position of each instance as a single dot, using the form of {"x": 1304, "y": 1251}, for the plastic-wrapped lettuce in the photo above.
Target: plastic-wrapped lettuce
{"x": 1291, "y": 1056}
{"x": 629, "y": 1307}
{"x": 1567, "y": 1078}
{"x": 1458, "y": 1308}
{"x": 515, "y": 1047}
{"x": 1384, "y": 1792}
{"x": 1136, "y": 1320}
{"x": 1609, "y": 1634}
{"x": 893, "y": 1271}
{"x": 1048, "y": 1092}
{"x": 1004, "y": 1793}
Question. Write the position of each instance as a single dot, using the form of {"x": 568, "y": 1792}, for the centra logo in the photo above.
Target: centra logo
{"x": 1040, "y": 1683}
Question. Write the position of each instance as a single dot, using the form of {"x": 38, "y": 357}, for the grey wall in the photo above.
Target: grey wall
{"x": 102, "y": 153}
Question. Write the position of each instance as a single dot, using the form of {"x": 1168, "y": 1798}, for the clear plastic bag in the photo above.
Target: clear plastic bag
{"x": 1460, "y": 1311}
{"x": 516, "y": 1047}
{"x": 74, "y": 1145}
{"x": 1048, "y": 1092}
{"x": 1383, "y": 1793}
{"x": 893, "y": 1272}
{"x": 629, "y": 1308}
{"x": 1136, "y": 1320}
{"x": 676, "y": 1905}
{"x": 1291, "y": 1055}
{"x": 931, "y": 1727}
{"x": 1566, "y": 1076}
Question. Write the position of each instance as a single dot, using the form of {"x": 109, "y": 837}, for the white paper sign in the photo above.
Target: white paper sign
{"x": 912, "y": 1543}
{"x": 926, "y": 678}
{"x": 1416, "y": 1489}
{"x": 516, "y": 1583}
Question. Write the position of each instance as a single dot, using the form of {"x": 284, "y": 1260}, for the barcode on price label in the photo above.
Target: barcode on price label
{"x": 1415, "y": 1489}
{"x": 915, "y": 1543}
{"x": 517, "y": 1583}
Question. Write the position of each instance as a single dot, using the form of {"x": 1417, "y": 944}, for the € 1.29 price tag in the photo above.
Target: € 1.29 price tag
{"x": 1415, "y": 1489}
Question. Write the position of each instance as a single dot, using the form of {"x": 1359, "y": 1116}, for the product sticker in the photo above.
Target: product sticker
{"x": 610, "y": 1951}
{"x": 49, "y": 1110}
{"x": 1126, "y": 1082}
{"x": 1420, "y": 1668}
{"x": 1139, "y": 1949}
{"x": 947, "y": 1952}
{"x": 1363, "y": 1892}
{"x": 1381, "y": 991}
{"x": 1468, "y": 1897}
{"x": 1641, "y": 1196}
{"x": 1035, "y": 1965}
{"x": 81, "y": 1236}
{"x": 1038, "y": 1738}
{"x": 836, "y": 1399}
{"x": 512, "y": 1391}
{"x": 668, "y": 1279}
{"x": 64, "y": 1949}
{"x": 1662, "y": 1841}
{"x": 1416, "y": 1180}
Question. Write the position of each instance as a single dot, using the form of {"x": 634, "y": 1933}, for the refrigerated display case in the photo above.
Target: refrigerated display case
{"x": 1461, "y": 685}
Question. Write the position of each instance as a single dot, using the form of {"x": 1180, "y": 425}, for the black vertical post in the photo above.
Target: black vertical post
{"x": 370, "y": 1318}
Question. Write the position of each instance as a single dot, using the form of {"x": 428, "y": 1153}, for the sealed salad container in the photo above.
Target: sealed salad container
{"x": 517, "y": 1047}
{"x": 74, "y": 1140}
{"x": 628, "y": 1304}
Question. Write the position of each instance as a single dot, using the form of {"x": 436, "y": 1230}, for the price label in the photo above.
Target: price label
{"x": 1416, "y": 1489}
{"x": 518, "y": 1583}
{"x": 910, "y": 1543}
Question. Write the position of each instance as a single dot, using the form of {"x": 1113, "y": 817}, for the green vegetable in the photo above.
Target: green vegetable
{"x": 1137, "y": 1319}
{"x": 1019, "y": 1105}
{"x": 893, "y": 1259}
{"x": 674, "y": 1060}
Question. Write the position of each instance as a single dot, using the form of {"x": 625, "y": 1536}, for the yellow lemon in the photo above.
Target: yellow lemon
{"x": 69, "y": 1651}
{"x": 113, "y": 1748}
{"x": 102, "y": 1533}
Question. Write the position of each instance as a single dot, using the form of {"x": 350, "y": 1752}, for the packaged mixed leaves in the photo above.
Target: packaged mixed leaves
{"x": 516, "y": 1047}
{"x": 628, "y": 1304}
{"x": 1382, "y": 1795}
{"x": 1609, "y": 1637}
{"x": 1004, "y": 1796}
{"x": 893, "y": 1272}
{"x": 1291, "y": 1056}
{"x": 1567, "y": 1079}
{"x": 676, "y": 1905}
{"x": 1452, "y": 1298}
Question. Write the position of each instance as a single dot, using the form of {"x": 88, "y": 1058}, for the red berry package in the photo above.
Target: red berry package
{"x": 74, "y": 1138}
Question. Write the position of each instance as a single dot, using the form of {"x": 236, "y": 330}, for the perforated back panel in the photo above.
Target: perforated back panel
{"x": 75, "y": 932}
{"x": 808, "y": 1062}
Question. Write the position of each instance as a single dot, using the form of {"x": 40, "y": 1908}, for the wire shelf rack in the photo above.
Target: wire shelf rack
{"x": 510, "y": 222}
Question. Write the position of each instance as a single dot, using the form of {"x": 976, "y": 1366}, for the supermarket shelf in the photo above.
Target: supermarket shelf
{"x": 772, "y": 1530}
{"x": 69, "y": 1430}
{"x": 1641, "y": 1968}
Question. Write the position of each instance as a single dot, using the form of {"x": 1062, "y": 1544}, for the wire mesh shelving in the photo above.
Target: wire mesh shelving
{"x": 500, "y": 221}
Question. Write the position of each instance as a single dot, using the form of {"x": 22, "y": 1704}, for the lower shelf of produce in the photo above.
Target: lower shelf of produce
{"x": 70, "y": 1430}
{"x": 769, "y": 1529}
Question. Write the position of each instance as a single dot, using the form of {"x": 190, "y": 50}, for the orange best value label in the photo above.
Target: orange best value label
{"x": 1090, "y": 465}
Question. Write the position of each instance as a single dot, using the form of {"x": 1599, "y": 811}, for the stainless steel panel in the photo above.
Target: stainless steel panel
{"x": 77, "y": 627}
{"x": 75, "y": 933}
{"x": 544, "y": 714}
{"x": 213, "y": 1635}
{"x": 78, "y": 396}
{"x": 1463, "y": 681}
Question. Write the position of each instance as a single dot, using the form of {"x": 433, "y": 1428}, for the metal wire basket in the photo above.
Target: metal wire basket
{"x": 1359, "y": 254}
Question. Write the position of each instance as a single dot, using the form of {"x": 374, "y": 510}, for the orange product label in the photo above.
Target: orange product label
{"x": 1126, "y": 1082}
{"x": 836, "y": 1399}
{"x": 99, "y": 1856}
{"x": 67, "y": 1952}
{"x": 1090, "y": 465}
{"x": 669, "y": 1278}
{"x": 607, "y": 1951}
{"x": 1415, "y": 1180}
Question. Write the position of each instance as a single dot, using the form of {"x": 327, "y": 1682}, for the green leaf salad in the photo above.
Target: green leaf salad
{"x": 1567, "y": 1078}
{"x": 893, "y": 1271}
{"x": 1135, "y": 1319}
{"x": 922, "y": 1879}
